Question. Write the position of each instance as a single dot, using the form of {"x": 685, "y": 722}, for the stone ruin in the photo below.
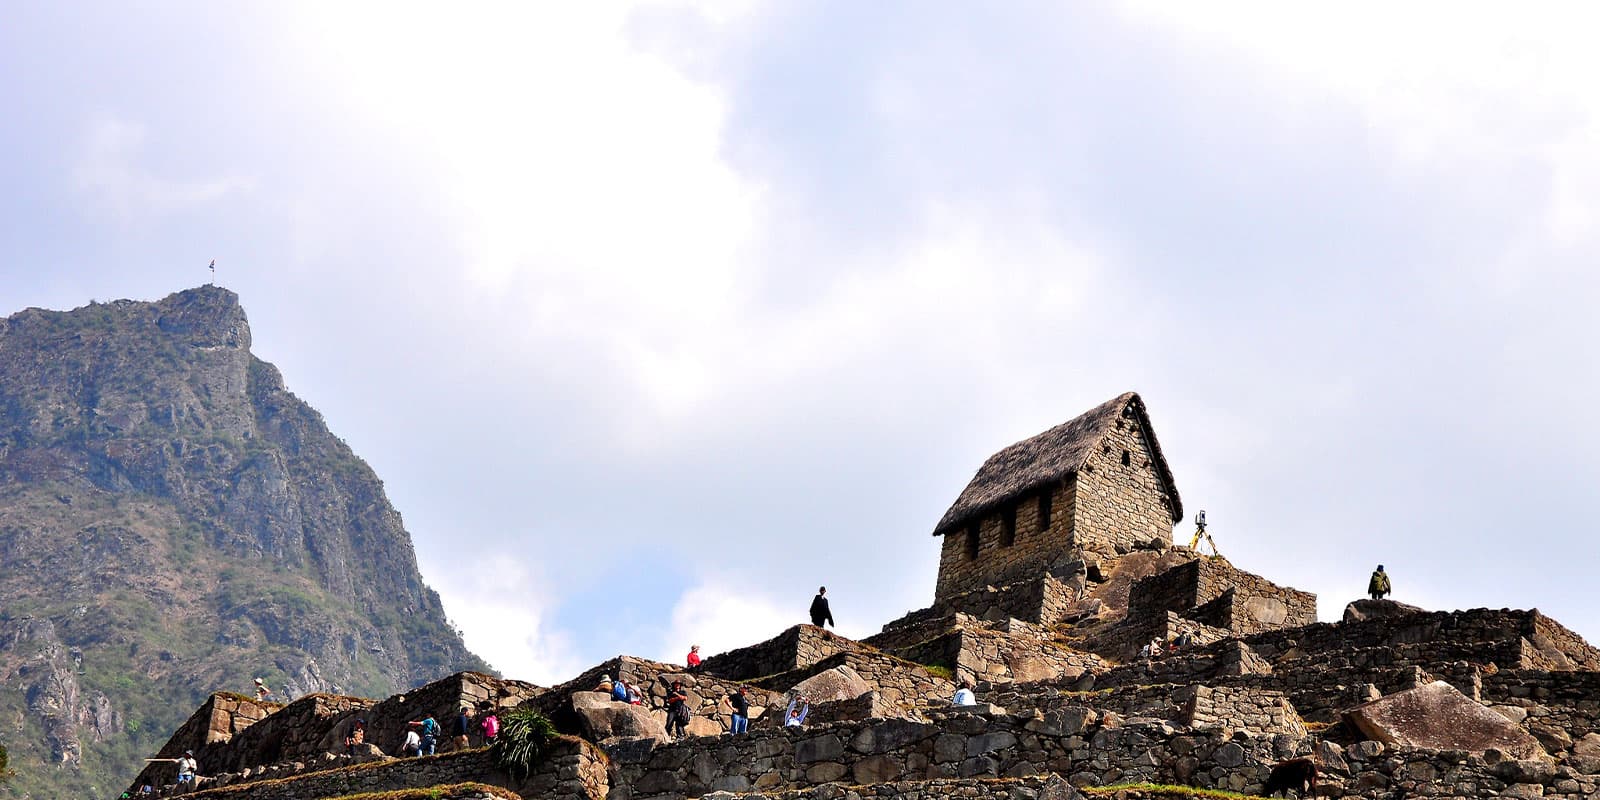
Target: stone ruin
{"x": 1057, "y": 563}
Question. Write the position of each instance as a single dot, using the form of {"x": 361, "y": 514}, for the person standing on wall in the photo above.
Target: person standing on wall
{"x": 1378, "y": 586}
{"x": 819, "y": 608}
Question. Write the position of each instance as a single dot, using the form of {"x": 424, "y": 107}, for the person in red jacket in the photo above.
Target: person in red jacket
{"x": 694, "y": 657}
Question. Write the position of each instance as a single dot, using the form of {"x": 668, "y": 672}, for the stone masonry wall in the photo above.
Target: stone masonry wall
{"x": 1080, "y": 746}
{"x": 796, "y": 648}
{"x": 572, "y": 768}
{"x": 1041, "y": 599}
{"x": 900, "y": 684}
{"x": 316, "y": 724}
{"x": 1214, "y": 592}
{"x": 1121, "y": 508}
{"x": 1480, "y": 635}
{"x": 1033, "y": 545}
{"x": 1032, "y": 787}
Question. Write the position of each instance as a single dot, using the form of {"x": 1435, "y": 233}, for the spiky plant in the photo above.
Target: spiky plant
{"x": 524, "y": 735}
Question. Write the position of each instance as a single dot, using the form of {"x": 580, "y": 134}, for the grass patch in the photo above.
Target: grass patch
{"x": 433, "y": 793}
{"x": 940, "y": 671}
{"x": 1166, "y": 789}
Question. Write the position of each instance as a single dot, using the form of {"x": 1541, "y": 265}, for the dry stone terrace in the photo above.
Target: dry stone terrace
{"x": 1082, "y": 573}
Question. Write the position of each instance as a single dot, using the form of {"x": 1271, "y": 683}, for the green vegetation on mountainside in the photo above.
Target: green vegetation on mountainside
{"x": 173, "y": 523}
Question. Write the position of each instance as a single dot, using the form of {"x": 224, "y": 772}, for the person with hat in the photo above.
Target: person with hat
{"x": 1378, "y": 586}
{"x": 263, "y": 694}
{"x": 187, "y": 768}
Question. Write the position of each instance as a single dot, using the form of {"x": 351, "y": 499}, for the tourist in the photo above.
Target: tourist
{"x": 635, "y": 697}
{"x": 964, "y": 695}
{"x": 1185, "y": 639}
{"x": 694, "y": 658}
{"x": 412, "y": 746}
{"x": 463, "y": 727}
{"x": 1378, "y": 586}
{"x": 430, "y": 735}
{"x": 677, "y": 710}
{"x": 1144, "y": 650}
{"x": 605, "y": 684}
{"x": 187, "y": 769}
{"x": 490, "y": 723}
{"x": 263, "y": 694}
{"x": 819, "y": 608}
{"x": 357, "y": 735}
{"x": 740, "y": 723}
{"x": 619, "y": 690}
{"x": 1155, "y": 648}
{"x": 795, "y": 717}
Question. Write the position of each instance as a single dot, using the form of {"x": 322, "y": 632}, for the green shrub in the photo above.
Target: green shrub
{"x": 5, "y": 763}
{"x": 524, "y": 735}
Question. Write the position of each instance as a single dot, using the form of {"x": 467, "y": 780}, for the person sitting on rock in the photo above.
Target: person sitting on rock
{"x": 1378, "y": 586}
{"x": 1185, "y": 639}
{"x": 964, "y": 695}
{"x": 694, "y": 658}
{"x": 677, "y": 710}
{"x": 795, "y": 717}
{"x": 635, "y": 697}
{"x": 1144, "y": 650}
{"x": 619, "y": 690}
{"x": 356, "y": 736}
{"x": 605, "y": 684}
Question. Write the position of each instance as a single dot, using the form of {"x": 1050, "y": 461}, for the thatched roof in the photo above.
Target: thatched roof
{"x": 1050, "y": 458}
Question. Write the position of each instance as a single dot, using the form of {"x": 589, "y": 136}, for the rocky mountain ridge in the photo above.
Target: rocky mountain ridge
{"x": 174, "y": 521}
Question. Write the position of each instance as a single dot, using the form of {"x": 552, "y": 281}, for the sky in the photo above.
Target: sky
{"x": 655, "y": 316}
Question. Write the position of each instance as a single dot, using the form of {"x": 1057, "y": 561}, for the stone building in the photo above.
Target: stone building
{"x": 1097, "y": 483}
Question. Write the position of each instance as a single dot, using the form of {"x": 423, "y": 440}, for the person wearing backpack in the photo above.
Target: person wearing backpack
{"x": 677, "y": 710}
{"x": 490, "y": 725}
{"x": 430, "y": 735}
{"x": 619, "y": 690}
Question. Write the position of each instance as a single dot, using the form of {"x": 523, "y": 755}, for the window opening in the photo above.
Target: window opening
{"x": 972, "y": 541}
{"x": 1044, "y": 511}
{"x": 1008, "y": 527}
{"x": 1127, "y": 460}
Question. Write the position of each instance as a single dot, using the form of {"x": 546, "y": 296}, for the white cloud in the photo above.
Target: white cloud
{"x": 500, "y": 609}
{"x": 110, "y": 174}
{"x": 721, "y": 615}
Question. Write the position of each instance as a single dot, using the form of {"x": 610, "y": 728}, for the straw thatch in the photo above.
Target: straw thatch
{"x": 1050, "y": 458}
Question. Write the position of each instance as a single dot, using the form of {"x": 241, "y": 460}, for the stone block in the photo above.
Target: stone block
{"x": 1440, "y": 717}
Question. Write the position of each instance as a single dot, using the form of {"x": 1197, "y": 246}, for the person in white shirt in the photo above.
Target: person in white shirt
{"x": 187, "y": 767}
{"x": 412, "y": 745}
{"x": 964, "y": 695}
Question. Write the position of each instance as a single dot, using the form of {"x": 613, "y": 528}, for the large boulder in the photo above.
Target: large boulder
{"x": 839, "y": 683}
{"x": 1378, "y": 609}
{"x": 1440, "y": 717}
{"x": 602, "y": 718}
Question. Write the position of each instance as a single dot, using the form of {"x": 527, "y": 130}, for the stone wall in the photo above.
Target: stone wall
{"x": 900, "y": 684}
{"x": 796, "y": 648}
{"x": 1032, "y": 787}
{"x": 1120, "y": 507}
{"x": 977, "y": 653}
{"x": 1226, "y": 708}
{"x": 317, "y": 724}
{"x": 1485, "y": 636}
{"x": 572, "y": 768}
{"x": 1214, "y": 592}
{"x": 1028, "y": 551}
{"x": 654, "y": 680}
{"x": 1557, "y": 707}
{"x": 1041, "y": 599}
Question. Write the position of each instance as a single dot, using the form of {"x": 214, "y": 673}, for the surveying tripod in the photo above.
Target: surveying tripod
{"x": 1200, "y": 533}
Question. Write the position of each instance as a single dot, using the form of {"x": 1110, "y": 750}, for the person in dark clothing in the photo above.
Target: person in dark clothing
{"x": 1378, "y": 586}
{"x": 677, "y": 710}
{"x": 741, "y": 712}
{"x": 819, "y": 608}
